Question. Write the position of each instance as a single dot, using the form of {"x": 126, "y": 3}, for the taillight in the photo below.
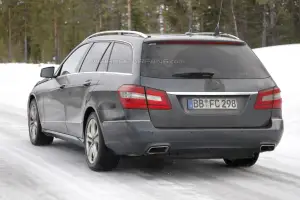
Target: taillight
{"x": 137, "y": 97}
{"x": 157, "y": 100}
{"x": 268, "y": 99}
{"x": 132, "y": 97}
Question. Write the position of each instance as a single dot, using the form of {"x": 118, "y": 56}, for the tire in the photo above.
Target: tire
{"x": 98, "y": 156}
{"x": 36, "y": 136}
{"x": 246, "y": 162}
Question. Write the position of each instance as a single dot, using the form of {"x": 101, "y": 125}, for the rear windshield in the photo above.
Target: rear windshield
{"x": 160, "y": 60}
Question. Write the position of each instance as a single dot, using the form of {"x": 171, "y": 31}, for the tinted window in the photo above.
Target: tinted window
{"x": 121, "y": 59}
{"x": 73, "y": 61}
{"x": 104, "y": 62}
{"x": 225, "y": 61}
{"x": 94, "y": 56}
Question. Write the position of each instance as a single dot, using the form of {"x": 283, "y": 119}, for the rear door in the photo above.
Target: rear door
{"x": 80, "y": 84}
{"x": 224, "y": 100}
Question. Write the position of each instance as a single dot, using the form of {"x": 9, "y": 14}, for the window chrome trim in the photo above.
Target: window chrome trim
{"x": 110, "y": 40}
{"x": 117, "y": 73}
{"x": 61, "y": 65}
{"x": 92, "y": 42}
{"x": 213, "y": 93}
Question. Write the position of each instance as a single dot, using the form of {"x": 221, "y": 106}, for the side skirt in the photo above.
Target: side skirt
{"x": 66, "y": 137}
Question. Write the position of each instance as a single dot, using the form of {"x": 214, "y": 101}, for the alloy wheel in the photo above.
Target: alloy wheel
{"x": 33, "y": 123}
{"x": 92, "y": 141}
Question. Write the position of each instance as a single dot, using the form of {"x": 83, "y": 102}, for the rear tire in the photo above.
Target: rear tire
{"x": 37, "y": 137}
{"x": 98, "y": 156}
{"x": 246, "y": 162}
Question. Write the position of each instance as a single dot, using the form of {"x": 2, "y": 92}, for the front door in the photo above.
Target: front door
{"x": 57, "y": 96}
{"x": 54, "y": 109}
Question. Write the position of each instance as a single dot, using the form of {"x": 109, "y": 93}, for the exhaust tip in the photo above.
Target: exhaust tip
{"x": 158, "y": 150}
{"x": 267, "y": 147}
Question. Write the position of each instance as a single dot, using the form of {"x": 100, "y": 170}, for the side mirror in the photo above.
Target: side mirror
{"x": 47, "y": 72}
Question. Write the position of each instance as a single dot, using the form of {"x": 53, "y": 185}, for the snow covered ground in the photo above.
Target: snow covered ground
{"x": 59, "y": 172}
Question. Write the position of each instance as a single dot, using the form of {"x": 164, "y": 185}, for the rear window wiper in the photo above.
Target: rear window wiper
{"x": 194, "y": 75}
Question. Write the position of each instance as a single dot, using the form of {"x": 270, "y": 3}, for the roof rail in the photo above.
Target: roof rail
{"x": 118, "y": 32}
{"x": 213, "y": 34}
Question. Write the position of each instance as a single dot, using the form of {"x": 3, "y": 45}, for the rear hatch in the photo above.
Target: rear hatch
{"x": 209, "y": 84}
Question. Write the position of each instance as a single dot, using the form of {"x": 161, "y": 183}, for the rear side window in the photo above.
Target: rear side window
{"x": 104, "y": 62}
{"x": 226, "y": 61}
{"x": 92, "y": 60}
{"x": 121, "y": 59}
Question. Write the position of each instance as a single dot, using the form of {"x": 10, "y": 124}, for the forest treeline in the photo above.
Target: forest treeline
{"x": 46, "y": 30}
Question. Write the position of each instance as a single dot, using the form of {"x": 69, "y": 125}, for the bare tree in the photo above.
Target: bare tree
{"x": 25, "y": 41}
{"x": 9, "y": 36}
{"x": 265, "y": 26}
{"x": 234, "y": 19}
{"x": 25, "y": 19}
{"x": 56, "y": 48}
{"x": 190, "y": 14}
{"x": 129, "y": 14}
{"x": 273, "y": 16}
{"x": 99, "y": 24}
{"x": 161, "y": 19}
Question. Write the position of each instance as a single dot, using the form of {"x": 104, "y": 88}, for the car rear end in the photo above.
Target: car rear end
{"x": 209, "y": 98}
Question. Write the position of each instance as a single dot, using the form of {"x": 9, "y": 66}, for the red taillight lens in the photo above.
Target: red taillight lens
{"x": 135, "y": 97}
{"x": 132, "y": 97}
{"x": 157, "y": 100}
{"x": 268, "y": 99}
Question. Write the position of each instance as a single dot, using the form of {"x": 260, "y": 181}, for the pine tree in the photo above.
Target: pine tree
{"x": 47, "y": 30}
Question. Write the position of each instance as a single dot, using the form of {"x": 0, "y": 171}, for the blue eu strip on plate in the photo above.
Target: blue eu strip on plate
{"x": 190, "y": 104}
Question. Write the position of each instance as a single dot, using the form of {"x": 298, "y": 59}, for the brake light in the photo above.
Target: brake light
{"x": 137, "y": 97}
{"x": 269, "y": 99}
{"x": 207, "y": 42}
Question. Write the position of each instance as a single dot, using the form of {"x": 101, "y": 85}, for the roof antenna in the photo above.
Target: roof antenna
{"x": 217, "y": 30}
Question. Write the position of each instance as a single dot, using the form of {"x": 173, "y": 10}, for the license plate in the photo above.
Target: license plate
{"x": 212, "y": 103}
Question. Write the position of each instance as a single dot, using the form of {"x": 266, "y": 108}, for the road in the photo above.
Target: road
{"x": 59, "y": 172}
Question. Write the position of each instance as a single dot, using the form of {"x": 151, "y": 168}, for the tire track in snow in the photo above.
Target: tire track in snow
{"x": 215, "y": 178}
{"x": 63, "y": 164}
{"x": 272, "y": 174}
{"x": 105, "y": 181}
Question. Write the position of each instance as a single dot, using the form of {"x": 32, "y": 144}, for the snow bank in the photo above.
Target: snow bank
{"x": 17, "y": 80}
{"x": 283, "y": 63}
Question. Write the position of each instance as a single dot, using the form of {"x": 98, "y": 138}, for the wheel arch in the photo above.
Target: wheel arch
{"x": 30, "y": 98}
{"x": 87, "y": 112}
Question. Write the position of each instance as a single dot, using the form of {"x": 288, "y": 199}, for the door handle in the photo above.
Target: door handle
{"x": 87, "y": 83}
{"x": 62, "y": 86}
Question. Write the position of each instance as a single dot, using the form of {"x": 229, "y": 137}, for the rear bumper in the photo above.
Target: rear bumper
{"x": 136, "y": 137}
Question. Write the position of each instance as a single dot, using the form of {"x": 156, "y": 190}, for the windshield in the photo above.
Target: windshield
{"x": 225, "y": 61}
